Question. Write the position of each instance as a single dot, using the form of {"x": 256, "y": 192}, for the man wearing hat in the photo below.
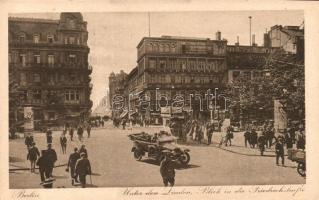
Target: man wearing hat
{"x": 71, "y": 164}
{"x": 83, "y": 150}
{"x": 279, "y": 148}
{"x": 52, "y": 158}
{"x": 83, "y": 168}
{"x": 167, "y": 171}
{"x": 33, "y": 156}
{"x": 43, "y": 163}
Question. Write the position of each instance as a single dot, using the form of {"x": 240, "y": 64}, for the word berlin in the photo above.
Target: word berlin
{"x": 161, "y": 100}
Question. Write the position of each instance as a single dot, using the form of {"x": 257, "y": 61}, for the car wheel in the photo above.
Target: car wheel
{"x": 137, "y": 155}
{"x": 301, "y": 169}
{"x": 184, "y": 158}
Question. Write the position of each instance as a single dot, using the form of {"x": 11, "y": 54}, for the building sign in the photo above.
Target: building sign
{"x": 28, "y": 118}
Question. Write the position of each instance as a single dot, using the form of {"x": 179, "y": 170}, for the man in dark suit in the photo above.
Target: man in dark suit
{"x": 279, "y": 148}
{"x": 167, "y": 171}
{"x": 43, "y": 163}
{"x": 52, "y": 158}
{"x": 83, "y": 150}
{"x": 71, "y": 164}
{"x": 83, "y": 168}
{"x": 33, "y": 156}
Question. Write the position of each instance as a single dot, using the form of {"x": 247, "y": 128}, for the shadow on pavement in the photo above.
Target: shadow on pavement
{"x": 151, "y": 161}
{"x": 177, "y": 165}
{"x": 183, "y": 167}
{"x": 96, "y": 174}
{"x": 60, "y": 177}
{"x": 244, "y": 154}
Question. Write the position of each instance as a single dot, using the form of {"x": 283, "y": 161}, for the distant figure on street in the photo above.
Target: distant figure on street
{"x": 52, "y": 158}
{"x": 247, "y": 136}
{"x": 63, "y": 142}
{"x": 28, "y": 140}
{"x": 88, "y": 129}
{"x": 102, "y": 122}
{"x": 279, "y": 148}
{"x": 71, "y": 165}
{"x": 124, "y": 124}
{"x": 49, "y": 136}
{"x": 33, "y": 156}
{"x": 71, "y": 132}
{"x": 253, "y": 138}
{"x": 83, "y": 150}
{"x": 80, "y": 133}
{"x": 301, "y": 141}
{"x": 288, "y": 138}
{"x": 229, "y": 135}
{"x": 83, "y": 168}
{"x": 167, "y": 171}
{"x": 210, "y": 130}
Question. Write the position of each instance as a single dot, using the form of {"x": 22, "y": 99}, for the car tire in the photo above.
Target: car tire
{"x": 301, "y": 169}
{"x": 185, "y": 158}
{"x": 137, "y": 155}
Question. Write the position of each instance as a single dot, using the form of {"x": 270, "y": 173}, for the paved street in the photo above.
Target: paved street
{"x": 113, "y": 165}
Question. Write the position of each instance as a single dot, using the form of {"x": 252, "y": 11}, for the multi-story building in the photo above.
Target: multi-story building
{"x": 48, "y": 62}
{"x": 248, "y": 61}
{"x": 290, "y": 38}
{"x": 117, "y": 88}
{"x": 170, "y": 66}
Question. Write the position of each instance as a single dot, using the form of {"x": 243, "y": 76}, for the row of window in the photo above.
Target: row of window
{"x": 187, "y": 65}
{"x": 52, "y": 78}
{"x": 178, "y": 79}
{"x": 50, "y": 39}
{"x": 50, "y": 59}
{"x": 70, "y": 96}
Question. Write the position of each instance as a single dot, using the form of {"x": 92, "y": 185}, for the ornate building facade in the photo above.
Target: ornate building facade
{"x": 49, "y": 70}
{"x": 169, "y": 66}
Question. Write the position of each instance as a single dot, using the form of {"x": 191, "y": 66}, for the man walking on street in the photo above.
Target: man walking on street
{"x": 279, "y": 148}
{"x": 83, "y": 150}
{"x": 52, "y": 158}
{"x": 33, "y": 156}
{"x": 28, "y": 140}
{"x": 43, "y": 163}
{"x": 88, "y": 129}
{"x": 210, "y": 130}
{"x": 167, "y": 171}
{"x": 71, "y": 165}
{"x": 83, "y": 168}
{"x": 247, "y": 136}
{"x": 63, "y": 142}
{"x": 71, "y": 132}
{"x": 80, "y": 133}
{"x": 49, "y": 136}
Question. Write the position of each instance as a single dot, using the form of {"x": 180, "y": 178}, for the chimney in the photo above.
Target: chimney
{"x": 237, "y": 43}
{"x": 218, "y": 35}
{"x": 253, "y": 40}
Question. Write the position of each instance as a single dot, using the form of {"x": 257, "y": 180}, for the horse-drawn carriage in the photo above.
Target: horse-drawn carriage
{"x": 298, "y": 156}
{"x": 157, "y": 146}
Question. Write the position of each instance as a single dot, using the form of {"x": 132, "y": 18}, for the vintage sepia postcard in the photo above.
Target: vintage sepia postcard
{"x": 141, "y": 103}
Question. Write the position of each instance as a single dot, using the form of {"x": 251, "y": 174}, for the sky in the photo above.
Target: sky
{"x": 113, "y": 36}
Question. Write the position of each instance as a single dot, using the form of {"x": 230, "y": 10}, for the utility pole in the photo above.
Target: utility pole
{"x": 249, "y": 30}
{"x": 149, "y": 24}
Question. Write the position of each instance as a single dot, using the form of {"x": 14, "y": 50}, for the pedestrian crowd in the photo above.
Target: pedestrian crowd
{"x": 78, "y": 164}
